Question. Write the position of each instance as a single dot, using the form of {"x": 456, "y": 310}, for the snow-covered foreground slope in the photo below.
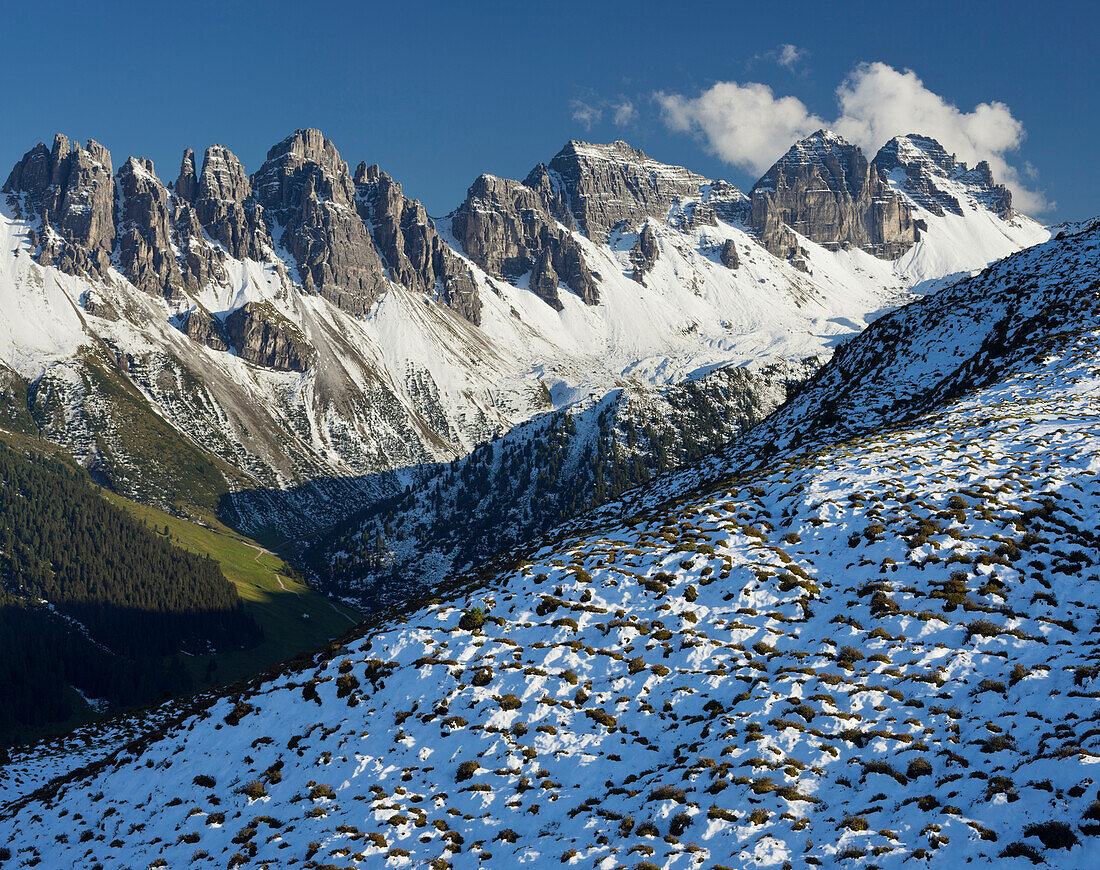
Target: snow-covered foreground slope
{"x": 868, "y": 651}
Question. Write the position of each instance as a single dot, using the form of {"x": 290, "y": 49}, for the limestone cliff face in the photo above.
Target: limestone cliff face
{"x": 260, "y": 335}
{"x": 187, "y": 182}
{"x": 643, "y": 256}
{"x": 936, "y": 181}
{"x": 200, "y": 326}
{"x": 824, "y": 189}
{"x": 70, "y": 189}
{"x": 410, "y": 246}
{"x": 199, "y": 261}
{"x": 225, "y": 206}
{"x": 606, "y": 185}
{"x": 145, "y": 230}
{"x": 512, "y": 229}
{"x": 345, "y": 245}
{"x": 508, "y": 229}
{"x": 728, "y": 255}
{"x": 306, "y": 189}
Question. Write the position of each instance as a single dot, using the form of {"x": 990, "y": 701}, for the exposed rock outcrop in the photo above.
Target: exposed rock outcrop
{"x": 200, "y": 262}
{"x": 187, "y": 182}
{"x": 71, "y": 190}
{"x": 935, "y": 180}
{"x": 262, "y": 336}
{"x": 225, "y": 206}
{"x": 643, "y": 256}
{"x": 544, "y": 279}
{"x": 499, "y": 223}
{"x": 507, "y": 228}
{"x": 410, "y": 246}
{"x": 145, "y": 253}
{"x": 824, "y": 189}
{"x": 198, "y": 325}
{"x": 94, "y": 304}
{"x": 607, "y": 185}
{"x": 306, "y": 189}
{"x": 728, "y": 255}
{"x": 511, "y": 229}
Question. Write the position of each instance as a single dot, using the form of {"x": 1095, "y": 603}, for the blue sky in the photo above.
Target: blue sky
{"x": 440, "y": 92}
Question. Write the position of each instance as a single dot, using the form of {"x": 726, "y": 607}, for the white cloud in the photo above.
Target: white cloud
{"x": 625, "y": 113}
{"x": 746, "y": 125}
{"x": 878, "y": 102}
{"x": 789, "y": 55}
{"x": 749, "y": 126}
{"x": 784, "y": 54}
{"x": 589, "y": 112}
{"x": 585, "y": 114}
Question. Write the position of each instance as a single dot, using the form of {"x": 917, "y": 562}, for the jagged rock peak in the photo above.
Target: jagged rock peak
{"x": 42, "y": 169}
{"x": 32, "y": 173}
{"x": 306, "y": 188}
{"x": 915, "y": 148}
{"x": 140, "y": 166}
{"x": 365, "y": 174}
{"x": 187, "y": 182}
{"x": 145, "y": 229}
{"x": 409, "y": 244}
{"x": 226, "y": 208}
{"x": 308, "y": 146}
{"x": 305, "y": 163}
{"x": 509, "y": 229}
{"x": 223, "y": 177}
{"x": 824, "y": 189}
{"x": 71, "y": 190}
{"x": 615, "y": 183}
{"x": 841, "y": 162}
{"x": 935, "y": 179}
{"x": 585, "y": 155}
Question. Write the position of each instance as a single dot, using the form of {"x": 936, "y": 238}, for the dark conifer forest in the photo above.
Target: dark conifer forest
{"x": 94, "y": 601}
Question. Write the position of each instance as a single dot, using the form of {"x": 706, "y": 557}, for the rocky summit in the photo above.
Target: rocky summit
{"x": 937, "y": 181}
{"x": 823, "y": 188}
{"x": 70, "y": 190}
{"x": 410, "y": 246}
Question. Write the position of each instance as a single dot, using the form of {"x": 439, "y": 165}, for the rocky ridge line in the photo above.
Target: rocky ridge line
{"x": 824, "y": 189}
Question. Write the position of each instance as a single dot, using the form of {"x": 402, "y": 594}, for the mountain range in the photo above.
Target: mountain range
{"x": 290, "y": 348}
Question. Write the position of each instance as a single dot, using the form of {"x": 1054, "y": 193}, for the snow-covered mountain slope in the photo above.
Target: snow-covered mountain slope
{"x": 477, "y": 504}
{"x": 538, "y": 475}
{"x": 945, "y": 345}
{"x": 961, "y": 211}
{"x": 300, "y": 334}
{"x": 867, "y": 650}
